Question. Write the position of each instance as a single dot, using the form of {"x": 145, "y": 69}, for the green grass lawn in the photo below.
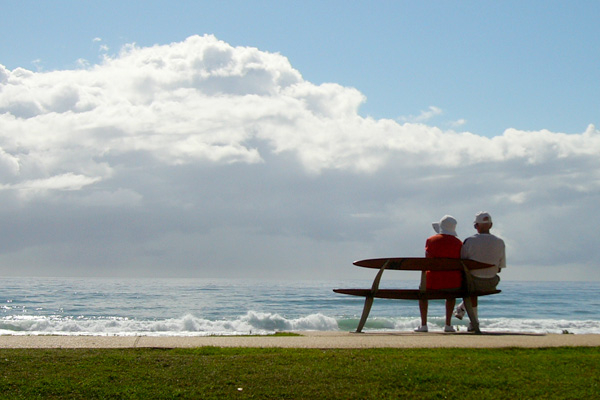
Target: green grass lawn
{"x": 217, "y": 373}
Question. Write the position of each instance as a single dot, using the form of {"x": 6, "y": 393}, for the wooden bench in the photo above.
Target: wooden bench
{"x": 419, "y": 264}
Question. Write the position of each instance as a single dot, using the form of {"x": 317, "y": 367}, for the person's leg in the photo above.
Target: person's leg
{"x": 449, "y": 310}
{"x": 423, "y": 304}
{"x": 472, "y": 313}
{"x": 484, "y": 285}
{"x": 475, "y": 313}
{"x": 423, "y": 308}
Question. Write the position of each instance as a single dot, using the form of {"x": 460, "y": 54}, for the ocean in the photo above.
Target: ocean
{"x": 199, "y": 307}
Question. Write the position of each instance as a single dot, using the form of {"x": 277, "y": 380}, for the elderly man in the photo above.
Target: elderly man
{"x": 486, "y": 248}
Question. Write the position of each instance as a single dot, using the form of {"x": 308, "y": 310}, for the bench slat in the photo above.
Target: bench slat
{"x": 421, "y": 264}
{"x": 412, "y": 294}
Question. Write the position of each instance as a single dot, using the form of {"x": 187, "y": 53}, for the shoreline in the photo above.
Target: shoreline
{"x": 309, "y": 339}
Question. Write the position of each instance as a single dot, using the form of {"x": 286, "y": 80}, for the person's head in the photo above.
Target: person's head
{"x": 446, "y": 226}
{"x": 483, "y": 222}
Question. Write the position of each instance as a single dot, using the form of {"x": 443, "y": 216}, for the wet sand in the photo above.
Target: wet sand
{"x": 319, "y": 340}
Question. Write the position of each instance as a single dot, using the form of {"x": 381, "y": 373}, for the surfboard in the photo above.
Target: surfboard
{"x": 421, "y": 264}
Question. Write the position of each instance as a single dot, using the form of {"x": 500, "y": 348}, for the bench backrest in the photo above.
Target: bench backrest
{"x": 422, "y": 264}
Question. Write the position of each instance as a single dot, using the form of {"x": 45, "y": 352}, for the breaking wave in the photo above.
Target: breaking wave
{"x": 257, "y": 323}
{"x": 252, "y": 322}
{"x": 487, "y": 324}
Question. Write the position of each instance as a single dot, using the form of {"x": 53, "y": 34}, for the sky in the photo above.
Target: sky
{"x": 284, "y": 140}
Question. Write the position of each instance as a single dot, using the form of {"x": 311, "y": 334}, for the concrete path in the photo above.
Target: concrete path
{"x": 319, "y": 340}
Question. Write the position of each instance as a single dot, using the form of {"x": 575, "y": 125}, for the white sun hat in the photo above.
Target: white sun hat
{"x": 446, "y": 226}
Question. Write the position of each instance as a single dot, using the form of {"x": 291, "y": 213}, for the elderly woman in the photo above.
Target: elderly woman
{"x": 443, "y": 244}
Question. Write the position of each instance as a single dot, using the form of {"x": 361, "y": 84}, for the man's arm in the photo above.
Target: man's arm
{"x": 464, "y": 250}
{"x": 502, "y": 263}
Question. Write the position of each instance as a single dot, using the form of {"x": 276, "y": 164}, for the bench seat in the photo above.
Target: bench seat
{"x": 412, "y": 294}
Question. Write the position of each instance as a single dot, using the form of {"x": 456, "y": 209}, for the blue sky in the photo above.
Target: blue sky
{"x": 494, "y": 65}
{"x": 287, "y": 139}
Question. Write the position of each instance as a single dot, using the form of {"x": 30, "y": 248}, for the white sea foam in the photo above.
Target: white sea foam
{"x": 250, "y": 323}
{"x": 489, "y": 324}
{"x": 264, "y": 323}
{"x": 541, "y": 325}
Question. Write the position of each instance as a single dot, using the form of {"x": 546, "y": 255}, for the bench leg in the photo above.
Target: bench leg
{"x": 365, "y": 313}
{"x": 471, "y": 314}
{"x": 369, "y": 299}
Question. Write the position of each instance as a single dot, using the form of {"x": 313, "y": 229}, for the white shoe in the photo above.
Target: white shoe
{"x": 449, "y": 328}
{"x": 470, "y": 328}
{"x": 460, "y": 311}
{"x": 422, "y": 328}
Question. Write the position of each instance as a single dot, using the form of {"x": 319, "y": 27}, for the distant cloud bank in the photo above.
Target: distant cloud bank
{"x": 202, "y": 128}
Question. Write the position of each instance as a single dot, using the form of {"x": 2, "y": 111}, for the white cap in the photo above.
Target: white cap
{"x": 446, "y": 226}
{"x": 483, "y": 217}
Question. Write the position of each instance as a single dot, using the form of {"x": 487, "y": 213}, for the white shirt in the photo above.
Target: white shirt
{"x": 485, "y": 248}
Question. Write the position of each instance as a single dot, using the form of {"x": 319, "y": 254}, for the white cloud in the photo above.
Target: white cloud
{"x": 33, "y": 189}
{"x": 82, "y": 63}
{"x": 424, "y": 116}
{"x": 430, "y": 113}
{"x": 197, "y": 137}
{"x": 103, "y": 47}
{"x": 67, "y": 181}
{"x": 458, "y": 123}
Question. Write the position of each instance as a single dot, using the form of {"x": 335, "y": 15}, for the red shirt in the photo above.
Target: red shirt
{"x": 447, "y": 246}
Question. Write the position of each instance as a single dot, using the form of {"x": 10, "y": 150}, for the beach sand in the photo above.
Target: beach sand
{"x": 318, "y": 340}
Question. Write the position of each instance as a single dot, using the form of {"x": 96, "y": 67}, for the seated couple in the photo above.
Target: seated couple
{"x": 483, "y": 247}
